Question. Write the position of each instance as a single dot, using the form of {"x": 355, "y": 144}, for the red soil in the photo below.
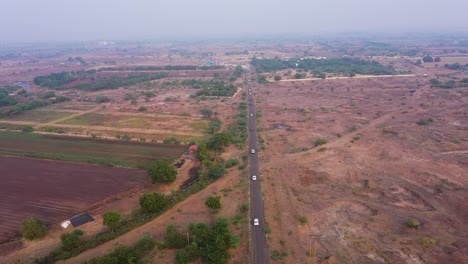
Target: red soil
{"x": 54, "y": 191}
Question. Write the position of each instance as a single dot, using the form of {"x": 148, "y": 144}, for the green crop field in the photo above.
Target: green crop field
{"x": 104, "y": 152}
{"x": 38, "y": 115}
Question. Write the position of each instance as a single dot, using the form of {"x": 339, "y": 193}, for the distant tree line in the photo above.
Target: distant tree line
{"x": 54, "y": 80}
{"x": 457, "y": 67}
{"x": 11, "y": 106}
{"x": 161, "y": 68}
{"x": 244, "y": 52}
{"x": 213, "y": 87}
{"x": 348, "y": 66}
{"x": 116, "y": 82}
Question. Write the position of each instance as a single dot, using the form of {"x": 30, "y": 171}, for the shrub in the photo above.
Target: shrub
{"x": 413, "y": 223}
{"x": 424, "y": 122}
{"x": 142, "y": 108}
{"x": 320, "y": 141}
{"x": 216, "y": 172}
{"x": 121, "y": 254}
{"x": 174, "y": 239}
{"x": 277, "y": 78}
{"x": 152, "y": 202}
{"x": 213, "y": 202}
{"x": 231, "y": 162}
{"x": 427, "y": 242}
{"x": 102, "y": 99}
{"x": 302, "y": 219}
{"x": 143, "y": 245}
{"x": 234, "y": 241}
{"x": 71, "y": 240}
{"x": 181, "y": 257}
{"x": 28, "y": 129}
{"x": 111, "y": 219}
{"x": 163, "y": 172}
{"x": 206, "y": 112}
{"x": 276, "y": 255}
{"x": 33, "y": 228}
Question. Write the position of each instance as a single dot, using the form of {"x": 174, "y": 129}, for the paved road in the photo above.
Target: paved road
{"x": 257, "y": 211}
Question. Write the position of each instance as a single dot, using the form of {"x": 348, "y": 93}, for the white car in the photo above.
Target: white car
{"x": 254, "y": 177}
{"x": 252, "y": 151}
{"x": 256, "y": 222}
{"x": 251, "y": 114}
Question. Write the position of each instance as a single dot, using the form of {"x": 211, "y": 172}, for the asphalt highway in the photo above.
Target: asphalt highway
{"x": 257, "y": 211}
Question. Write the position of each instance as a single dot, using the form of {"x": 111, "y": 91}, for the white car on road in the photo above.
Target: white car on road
{"x": 252, "y": 151}
{"x": 256, "y": 222}
{"x": 254, "y": 177}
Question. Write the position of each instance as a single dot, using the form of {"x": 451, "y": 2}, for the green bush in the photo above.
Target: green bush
{"x": 231, "y": 163}
{"x": 276, "y": 255}
{"x": 152, "y": 202}
{"x": 28, "y": 129}
{"x": 213, "y": 202}
{"x": 162, "y": 172}
{"x": 103, "y": 99}
{"x": 424, "y": 122}
{"x": 142, "y": 108}
{"x": 181, "y": 257}
{"x": 234, "y": 241}
{"x": 320, "y": 141}
{"x": 174, "y": 239}
{"x": 144, "y": 245}
{"x": 413, "y": 223}
{"x": 120, "y": 254}
{"x": 71, "y": 240}
{"x": 216, "y": 172}
{"x": 111, "y": 219}
{"x": 33, "y": 228}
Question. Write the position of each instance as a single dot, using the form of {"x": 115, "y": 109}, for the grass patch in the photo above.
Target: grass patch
{"x": 425, "y": 122}
{"x": 39, "y": 115}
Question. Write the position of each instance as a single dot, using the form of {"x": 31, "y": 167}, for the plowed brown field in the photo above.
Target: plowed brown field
{"x": 54, "y": 191}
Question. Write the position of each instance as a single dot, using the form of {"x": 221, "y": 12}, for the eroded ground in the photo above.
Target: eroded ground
{"x": 349, "y": 199}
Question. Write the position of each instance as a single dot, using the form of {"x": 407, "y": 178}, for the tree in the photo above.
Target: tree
{"x": 213, "y": 202}
{"x": 206, "y": 112}
{"x": 174, "y": 239}
{"x": 217, "y": 171}
{"x": 181, "y": 257}
{"x": 428, "y": 58}
{"x": 418, "y": 62}
{"x": 277, "y": 78}
{"x": 111, "y": 219}
{"x": 33, "y": 228}
{"x": 162, "y": 171}
{"x": 152, "y": 202}
{"x": 71, "y": 240}
{"x": 219, "y": 141}
{"x": 437, "y": 59}
{"x": 202, "y": 153}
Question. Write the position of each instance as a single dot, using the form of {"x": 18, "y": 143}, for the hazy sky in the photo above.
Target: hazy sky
{"x": 67, "y": 20}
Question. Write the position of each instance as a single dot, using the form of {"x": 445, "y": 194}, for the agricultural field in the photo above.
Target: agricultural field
{"x": 55, "y": 191}
{"x": 87, "y": 150}
{"x": 39, "y": 115}
{"x": 168, "y": 123}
